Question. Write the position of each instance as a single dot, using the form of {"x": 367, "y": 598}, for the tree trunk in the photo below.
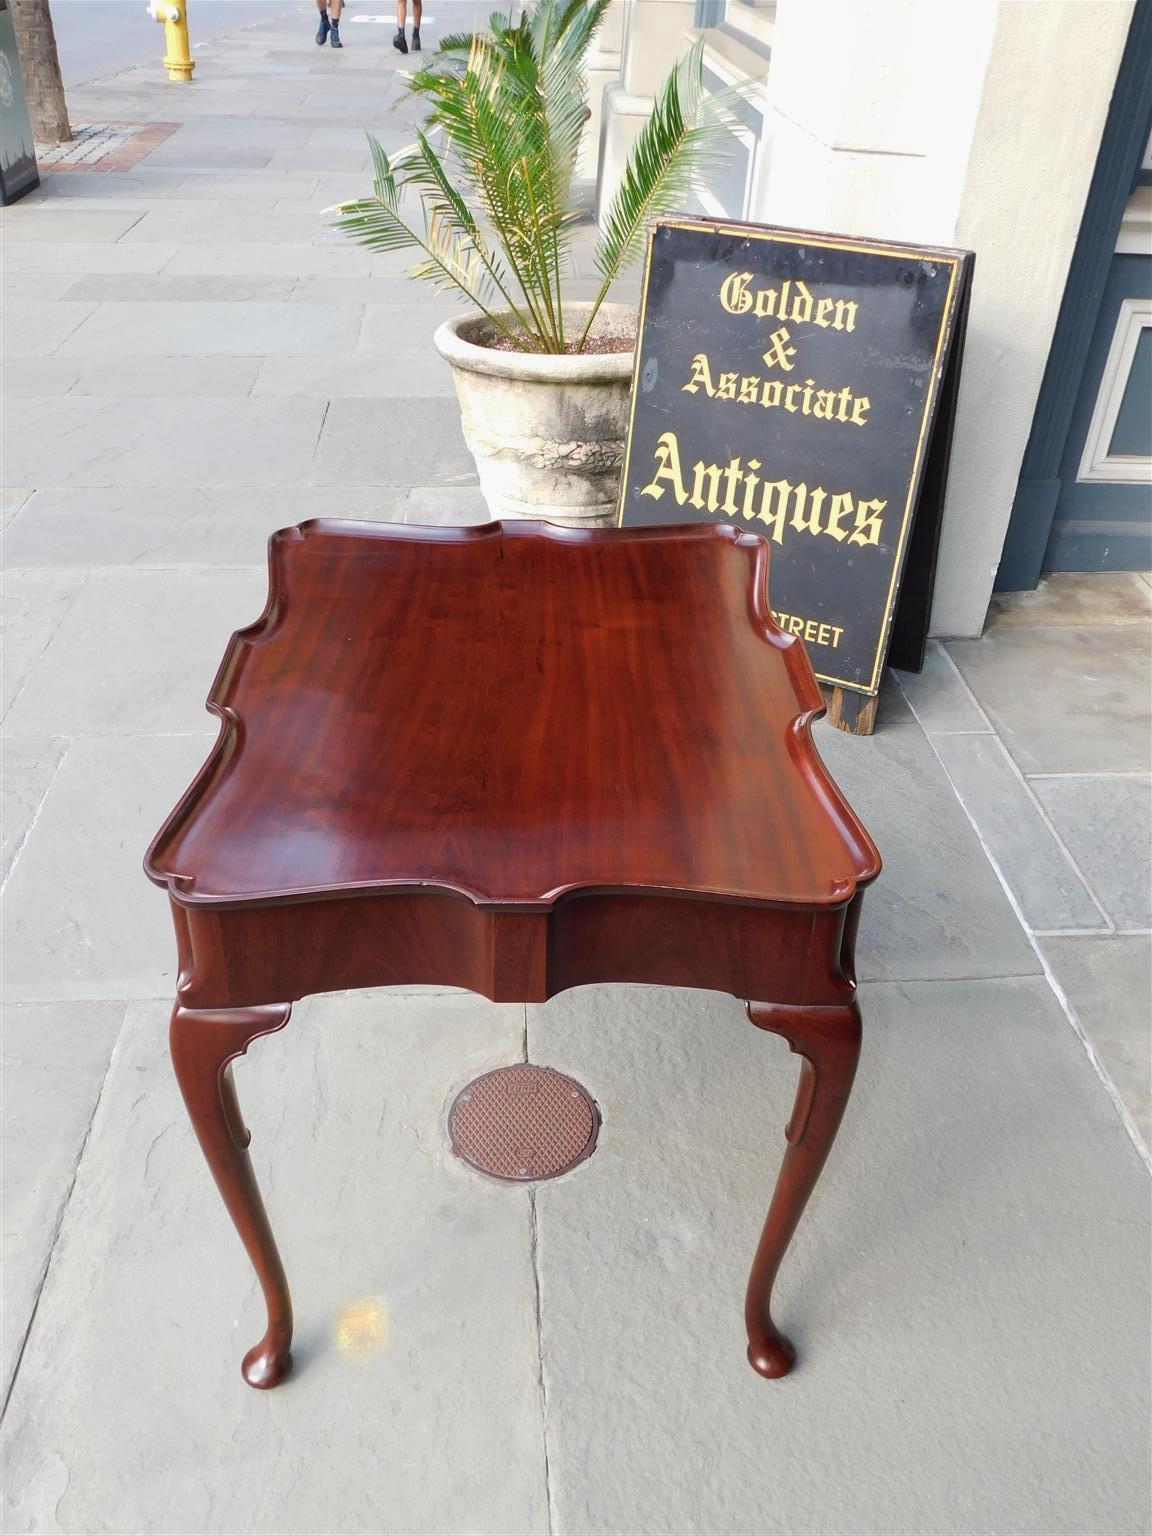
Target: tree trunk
{"x": 43, "y": 87}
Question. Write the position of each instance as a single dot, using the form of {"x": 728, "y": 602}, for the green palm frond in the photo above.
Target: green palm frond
{"x": 455, "y": 42}
{"x": 423, "y": 169}
{"x": 452, "y": 255}
{"x": 493, "y": 122}
{"x": 507, "y": 108}
{"x": 452, "y": 261}
{"x": 563, "y": 35}
{"x": 384, "y": 185}
{"x": 687, "y": 135}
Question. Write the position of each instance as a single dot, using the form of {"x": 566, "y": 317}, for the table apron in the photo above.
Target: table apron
{"x": 242, "y": 957}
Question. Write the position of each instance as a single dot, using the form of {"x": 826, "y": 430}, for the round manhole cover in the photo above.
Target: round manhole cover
{"x": 523, "y": 1123}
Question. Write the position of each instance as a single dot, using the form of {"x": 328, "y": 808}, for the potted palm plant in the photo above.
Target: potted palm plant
{"x": 543, "y": 382}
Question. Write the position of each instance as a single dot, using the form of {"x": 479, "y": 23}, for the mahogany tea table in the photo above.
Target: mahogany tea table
{"x": 513, "y": 758}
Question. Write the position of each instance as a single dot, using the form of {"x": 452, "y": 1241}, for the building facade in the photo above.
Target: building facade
{"x": 1018, "y": 129}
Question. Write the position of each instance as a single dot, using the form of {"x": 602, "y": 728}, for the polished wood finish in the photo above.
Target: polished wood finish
{"x": 203, "y": 1047}
{"x": 828, "y": 1041}
{"x": 512, "y": 758}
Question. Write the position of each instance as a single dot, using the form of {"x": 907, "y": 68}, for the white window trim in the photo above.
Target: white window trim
{"x": 1096, "y": 464}
{"x": 1135, "y": 237}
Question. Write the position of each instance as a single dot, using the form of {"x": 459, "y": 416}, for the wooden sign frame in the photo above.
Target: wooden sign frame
{"x": 901, "y": 625}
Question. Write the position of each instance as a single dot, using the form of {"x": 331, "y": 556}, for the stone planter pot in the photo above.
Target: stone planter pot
{"x": 547, "y": 433}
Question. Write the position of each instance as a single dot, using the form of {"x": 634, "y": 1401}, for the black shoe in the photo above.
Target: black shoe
{"x": 415, "y": 39}
{"x": 399, "y": 43}
{"x": 335, "y": 38}
{"x": 323, "y": 29}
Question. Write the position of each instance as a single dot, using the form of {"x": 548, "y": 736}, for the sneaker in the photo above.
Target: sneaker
{"x": 415, "y": 39}
{"x": 399, "y": 43}
{"x": 335, "y": 38}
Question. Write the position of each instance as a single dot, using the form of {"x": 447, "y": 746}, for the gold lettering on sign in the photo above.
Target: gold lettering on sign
{"x": 779, "y": 353}
{"x": 811, "y": 631}
{"x": 793, "y": 300}
{"x": 751, "y": 389}
{"x": 779, "y": 504}
{"x": 734, "y": 293}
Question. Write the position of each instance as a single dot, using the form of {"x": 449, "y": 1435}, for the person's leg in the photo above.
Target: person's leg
{"x": 334, "y": 9}
{"x": 323, "y": 29}
{"x": 417, "y": 12}
{"x": 399, "y": 42}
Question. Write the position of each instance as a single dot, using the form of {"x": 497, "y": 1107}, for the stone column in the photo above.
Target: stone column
{"x": 655, "y": 39}
{"x": 954, "y": 122}
{"x": 604, "y": 64}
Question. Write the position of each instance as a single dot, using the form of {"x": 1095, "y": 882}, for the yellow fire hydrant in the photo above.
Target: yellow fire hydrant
{"x": 178, "y": 60}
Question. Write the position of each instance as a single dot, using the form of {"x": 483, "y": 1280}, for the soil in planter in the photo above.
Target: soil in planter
{"x": 611, "y": 341}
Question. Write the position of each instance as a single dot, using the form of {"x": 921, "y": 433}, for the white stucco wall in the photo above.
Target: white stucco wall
{"x": 960, "y": 122}
{"x": 869, "y": 108}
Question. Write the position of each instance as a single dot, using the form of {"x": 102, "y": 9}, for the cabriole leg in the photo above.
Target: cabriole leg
{"x": 203, "y": 1044}
{"x": 829, "y": 1041}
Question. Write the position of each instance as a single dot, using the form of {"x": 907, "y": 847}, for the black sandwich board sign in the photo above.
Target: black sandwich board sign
{"x": 18, "y": 173}
{"x": 804, "y": 385}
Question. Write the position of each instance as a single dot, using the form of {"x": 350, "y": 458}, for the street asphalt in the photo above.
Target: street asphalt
{"x": 97, "y": 38}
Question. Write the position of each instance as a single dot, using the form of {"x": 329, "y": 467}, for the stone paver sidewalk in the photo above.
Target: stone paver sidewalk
{"x": 191, "y": 361}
